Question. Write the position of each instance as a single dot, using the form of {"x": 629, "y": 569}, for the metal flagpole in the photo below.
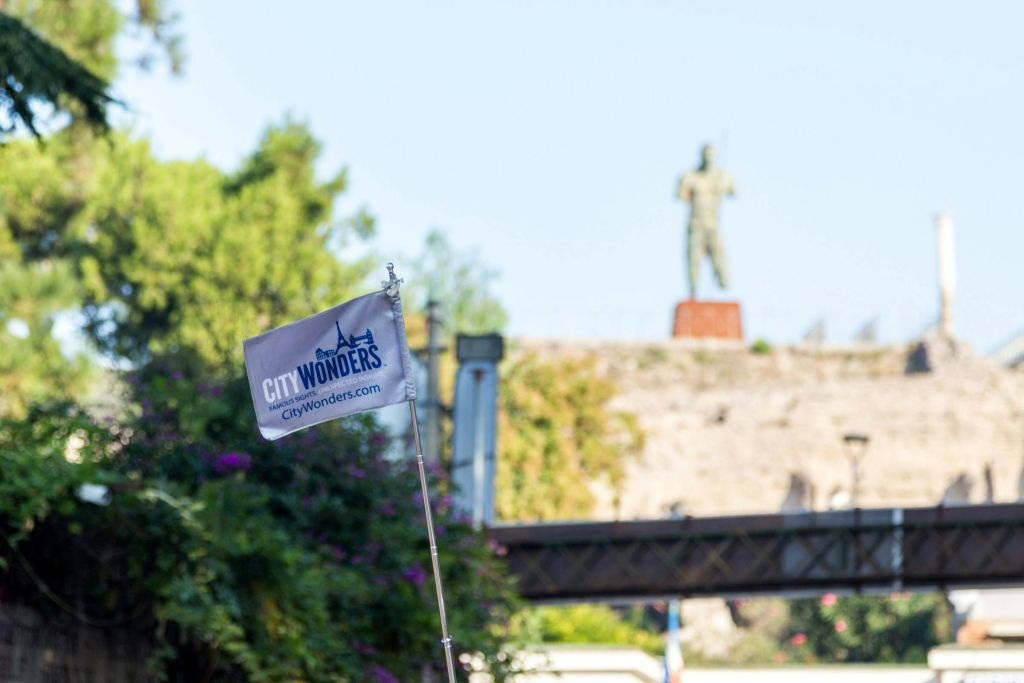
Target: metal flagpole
{"x": 445, "y": 638}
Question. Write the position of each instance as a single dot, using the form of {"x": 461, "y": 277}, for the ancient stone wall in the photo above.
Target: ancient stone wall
{"x": 727, "y": 427}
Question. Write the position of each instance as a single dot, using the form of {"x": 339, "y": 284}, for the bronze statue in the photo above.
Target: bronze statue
{"x": 704, "y": 189}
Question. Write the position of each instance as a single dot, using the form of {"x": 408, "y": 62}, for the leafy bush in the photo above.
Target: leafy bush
{"x": 558, "y": 436}
{"x": 302, "y": 559}
{"x": 594, "y": 624}
{"x": 899, "y": 628}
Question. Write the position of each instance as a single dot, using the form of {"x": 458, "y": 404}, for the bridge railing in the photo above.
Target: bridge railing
{"x": 860, "y": 550}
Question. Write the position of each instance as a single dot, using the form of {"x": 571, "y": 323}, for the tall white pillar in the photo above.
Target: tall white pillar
{"x": 947, "y": 273}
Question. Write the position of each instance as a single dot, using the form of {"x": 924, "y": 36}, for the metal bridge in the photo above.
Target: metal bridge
{"x": 859, "y": 550}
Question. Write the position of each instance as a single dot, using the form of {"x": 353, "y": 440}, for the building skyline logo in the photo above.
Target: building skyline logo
{"x": 351, "y": 343}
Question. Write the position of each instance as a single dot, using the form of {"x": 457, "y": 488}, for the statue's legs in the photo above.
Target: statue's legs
{"x": 717, "y": 253}
{"x": 694, "y": 255}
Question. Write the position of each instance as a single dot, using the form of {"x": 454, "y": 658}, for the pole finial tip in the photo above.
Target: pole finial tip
{"x": 392, "y": 283}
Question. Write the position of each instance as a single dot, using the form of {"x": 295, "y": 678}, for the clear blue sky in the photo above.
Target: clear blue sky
{"x": 549, "y": 135}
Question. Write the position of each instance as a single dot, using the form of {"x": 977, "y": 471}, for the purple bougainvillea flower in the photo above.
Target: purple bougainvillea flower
{"x": 382, "y": 675}
{"x": 232, "y": 462}
{"x": 415, "y": 574}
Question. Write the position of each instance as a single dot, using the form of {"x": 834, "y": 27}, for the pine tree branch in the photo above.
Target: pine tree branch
{"x": 34, "y": 71}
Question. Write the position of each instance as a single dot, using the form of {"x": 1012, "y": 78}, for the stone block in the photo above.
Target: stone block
{"x": 707, "y": 320}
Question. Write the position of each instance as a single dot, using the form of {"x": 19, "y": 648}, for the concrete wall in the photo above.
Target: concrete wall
{"x": 601, "y": 664}
{"x": 812, "y": 674}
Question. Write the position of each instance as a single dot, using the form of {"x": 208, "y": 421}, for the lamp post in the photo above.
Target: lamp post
{"x": 856, "y": 445}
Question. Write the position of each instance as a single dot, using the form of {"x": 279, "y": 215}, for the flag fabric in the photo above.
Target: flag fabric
{"x": 348, "y": 359}
{"x": 673, "y": 651}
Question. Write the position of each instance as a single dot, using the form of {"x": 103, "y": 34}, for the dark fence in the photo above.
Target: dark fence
{"x": 38, "y": 650}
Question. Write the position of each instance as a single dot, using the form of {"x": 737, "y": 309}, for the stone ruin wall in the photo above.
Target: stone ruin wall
{"x": 726, "y": 427}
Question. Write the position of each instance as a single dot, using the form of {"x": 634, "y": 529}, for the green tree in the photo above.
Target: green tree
{"x": 558, "y": 437}
{"x": 181, "y": 257}
{"x": 59, "y": 55}
{"x": 901, "y": 627}
{"x": 460, "y": 283}
{"x": 34, "y": 72}
{"x": 37, "y": 280}
{"x": 55, "y": 56}
{"x": 33, "y": 367}
{"x": 87, "y": 30}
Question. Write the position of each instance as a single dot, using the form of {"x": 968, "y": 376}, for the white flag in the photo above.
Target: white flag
{"x": 348, "y": 359}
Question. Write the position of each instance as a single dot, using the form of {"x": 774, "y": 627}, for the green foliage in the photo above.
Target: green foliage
{"x": 557, "y": 436}
{"x": 460, "y": 283}
{"x": 37, "y": 198}
{"x": 38, "y": 476}
{"x": 33, "y": 366}
{"x": 591, "y": 624}
{"x": 311, "y": 562}
{"x": 187, "y": 259}
{"x": 761, "y": 346}
{"x": 34, "y": 72}
{"x": 59, "y": 56}
{"x": 37, "y": 281}
{"x": 179, "y": 256}
{"x": 87, "y": 30}
{"x": 240, "y": 560}
{"x": 304, "y": 559}
{"x": 898, "y": 628}
{"x": 300, "y": 560}
{"x": 49, "y": 52}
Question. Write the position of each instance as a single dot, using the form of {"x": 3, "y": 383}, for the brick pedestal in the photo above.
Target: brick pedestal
{"x": 707, "y": 319}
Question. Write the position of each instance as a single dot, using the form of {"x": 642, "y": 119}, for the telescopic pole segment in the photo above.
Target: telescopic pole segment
{"x": 445, "y": 638}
